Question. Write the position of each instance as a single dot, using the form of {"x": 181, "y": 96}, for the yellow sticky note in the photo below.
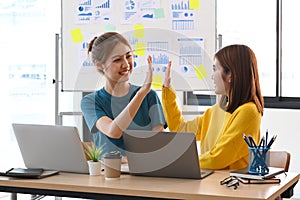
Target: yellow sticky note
{"x": 159, "y": 13}
{"x": 110, "y": 27}
{"x": 194, "y": 4}
{"x": 157, "y": 82}
{"x": 140, "y": 48}
{"x": 201, "y": 72}
{"x": 76, "y": 35}
{"x": 139, "y": 30}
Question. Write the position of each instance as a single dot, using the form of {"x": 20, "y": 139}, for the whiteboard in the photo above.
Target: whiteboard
{"x": 183, "y": 31}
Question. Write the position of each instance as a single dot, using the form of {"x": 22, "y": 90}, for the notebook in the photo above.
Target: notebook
{"x": 163, "y": 154}
{"x": 243, "y": 173}
{"x": 51, "y": 147}
{"x": 29, "y": 172}
{"x": 259, "y": 181}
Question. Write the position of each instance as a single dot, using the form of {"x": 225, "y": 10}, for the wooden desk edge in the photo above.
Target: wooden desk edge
{"x": 54, "y": 188}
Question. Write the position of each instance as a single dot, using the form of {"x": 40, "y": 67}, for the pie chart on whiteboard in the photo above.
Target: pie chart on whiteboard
{"x": 129, "y": 4}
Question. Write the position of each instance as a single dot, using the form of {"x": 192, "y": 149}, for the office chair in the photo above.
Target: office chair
{"x": 282, "y": 159}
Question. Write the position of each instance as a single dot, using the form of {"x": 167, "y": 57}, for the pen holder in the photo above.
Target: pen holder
{"x": 259, "y": 160}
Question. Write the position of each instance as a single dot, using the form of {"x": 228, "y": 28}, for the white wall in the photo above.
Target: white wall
{"x": 285, "y": 124}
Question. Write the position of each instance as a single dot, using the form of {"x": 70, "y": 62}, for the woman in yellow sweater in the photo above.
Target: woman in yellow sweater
{"x": 220, "y": 129}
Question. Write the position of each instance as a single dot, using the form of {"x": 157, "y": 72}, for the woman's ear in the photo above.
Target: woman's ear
{"x": 228, "y": 77}
{"x": 99, "y": 66}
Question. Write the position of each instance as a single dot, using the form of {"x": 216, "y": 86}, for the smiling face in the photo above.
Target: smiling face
{"x": 119, "y": 64}
{"x": 221, "y": 79}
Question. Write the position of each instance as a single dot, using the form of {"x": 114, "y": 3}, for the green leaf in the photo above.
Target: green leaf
{"x": 93, "y": 152}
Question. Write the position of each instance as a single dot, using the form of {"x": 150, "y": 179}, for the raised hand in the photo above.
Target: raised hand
{"x": 167, "y": 81}
{"x": 149, "y": 76}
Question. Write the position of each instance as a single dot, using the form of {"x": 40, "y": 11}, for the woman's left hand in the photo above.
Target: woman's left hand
{"x": 167, "y": 81}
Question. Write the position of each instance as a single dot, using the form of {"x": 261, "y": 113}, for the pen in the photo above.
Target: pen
{"x": 246, "y": 140}
{"x": 271, "y": 141}
{"x": 9, "y": 170}
{"x": 267, "y": 133}
{"x": 262, "y": 142}
{"x": 252, "y": 141}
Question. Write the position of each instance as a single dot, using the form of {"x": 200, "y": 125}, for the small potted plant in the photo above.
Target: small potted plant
{"x": 93, "y": 153}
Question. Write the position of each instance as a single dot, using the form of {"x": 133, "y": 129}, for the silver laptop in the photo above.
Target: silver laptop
{"x": 51, "y": 147}
{"x": 163, "y": 154}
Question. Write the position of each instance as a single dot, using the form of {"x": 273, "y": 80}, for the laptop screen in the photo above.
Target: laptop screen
{"x": 51, "y": 147}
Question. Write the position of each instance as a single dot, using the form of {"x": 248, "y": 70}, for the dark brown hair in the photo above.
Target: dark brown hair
{"x": 241, "y": 61}
{"x": 100, "y": 47}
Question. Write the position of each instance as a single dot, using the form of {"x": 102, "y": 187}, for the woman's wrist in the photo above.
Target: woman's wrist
{"x": 165, "y": 86}
{"x": 141, "y": 94}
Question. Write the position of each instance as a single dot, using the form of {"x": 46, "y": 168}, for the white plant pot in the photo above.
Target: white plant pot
{"x": 94, "y": 168}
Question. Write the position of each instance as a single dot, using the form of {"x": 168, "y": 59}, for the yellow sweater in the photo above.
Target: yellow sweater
{"x": 220, "y": 133}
